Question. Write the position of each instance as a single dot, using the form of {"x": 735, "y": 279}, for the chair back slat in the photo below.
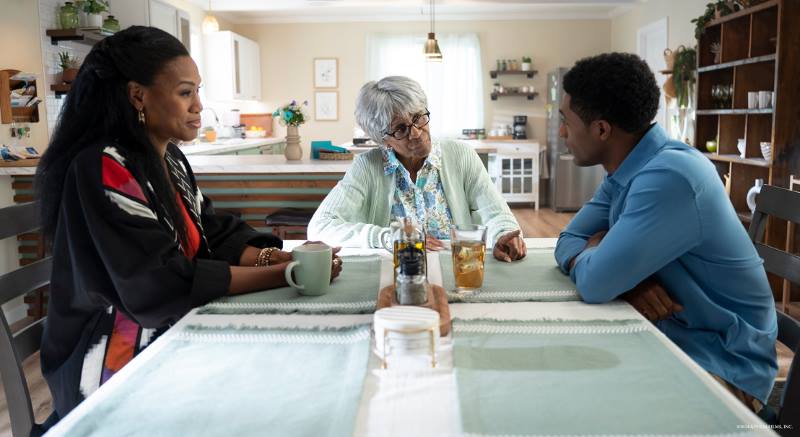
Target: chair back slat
{"x": 25, "y": 279}
{"x": 783, "y": 264}
{"x": 18, "y": 219}
{"x": 776, "y": 202}
{"x": 14, "y": 383}
{"x": 29, "y": 340}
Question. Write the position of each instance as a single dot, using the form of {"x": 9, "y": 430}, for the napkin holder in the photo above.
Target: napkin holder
{"x": 437, "y": 301}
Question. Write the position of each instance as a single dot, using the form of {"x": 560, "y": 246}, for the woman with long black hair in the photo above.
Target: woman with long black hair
{"x": 135, "y": 244}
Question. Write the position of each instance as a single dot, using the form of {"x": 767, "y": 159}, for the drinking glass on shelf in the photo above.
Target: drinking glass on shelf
{"x": 715, "y": 95}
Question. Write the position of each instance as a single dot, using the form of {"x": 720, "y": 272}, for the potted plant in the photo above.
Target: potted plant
{"x": 292, "y": 116}
{"x": 526, "y": 63}
{"x": 93, "y": 9}
{"x": 69, "y": 66}
{"x": 714, "y": 10}
{"x": 683, "y": 74}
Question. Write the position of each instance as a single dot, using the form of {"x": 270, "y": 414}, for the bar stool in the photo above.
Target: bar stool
{"x": 289, "y": 223}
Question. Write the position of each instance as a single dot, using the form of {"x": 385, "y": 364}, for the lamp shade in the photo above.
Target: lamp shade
{"x": 210, "y": 24}
{"x": 431, "y": 48}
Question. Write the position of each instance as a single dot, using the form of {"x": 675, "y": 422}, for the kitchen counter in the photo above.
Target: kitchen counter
{"x": 228, "y": 146}
{"x": 480, "y": 146}
{"x": 266, "y": 164}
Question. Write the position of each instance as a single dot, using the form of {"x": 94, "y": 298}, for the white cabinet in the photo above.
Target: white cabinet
{"x": 164, "y": 17}
{"x": 515, "y": 172}
{"x": 233, "y": 67}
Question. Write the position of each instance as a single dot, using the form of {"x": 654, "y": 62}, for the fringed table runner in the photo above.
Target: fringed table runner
{"x": 355, "y": 291}
{"x": 535, "y": 278}
{"x": 240, "y": 382}
{"x": 548, "y": 378}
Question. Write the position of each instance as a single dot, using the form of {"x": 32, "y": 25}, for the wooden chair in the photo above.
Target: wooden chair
{"x": 785, "y": 205}
{"x": 289, "y": 223}
{"x": 15, "y": 348}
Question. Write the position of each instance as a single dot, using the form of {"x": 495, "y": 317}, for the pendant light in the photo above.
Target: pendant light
{"x": 431, "y": 48}
{"x": 210, "y": 23}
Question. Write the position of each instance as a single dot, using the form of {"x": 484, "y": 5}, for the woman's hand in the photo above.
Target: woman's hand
{"x": 510, "y": 247}
{"x": 336, "y": 263}
{"x": 279, "y": 257}
{"x": 433, "y": 243}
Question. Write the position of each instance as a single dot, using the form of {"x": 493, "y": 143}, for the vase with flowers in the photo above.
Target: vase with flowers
{"x": 292, "y": 115}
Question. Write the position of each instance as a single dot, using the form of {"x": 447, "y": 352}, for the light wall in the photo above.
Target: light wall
{"x": 679, "y": 14}
{"x": 19, "y": 29}
{"x": 288, "y": 50}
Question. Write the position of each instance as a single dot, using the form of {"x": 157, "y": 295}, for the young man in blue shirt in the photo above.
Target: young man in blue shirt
{"x": 660, "y": 231}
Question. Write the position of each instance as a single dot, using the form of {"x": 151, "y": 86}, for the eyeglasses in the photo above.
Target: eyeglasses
{"x": 402, "y": 131}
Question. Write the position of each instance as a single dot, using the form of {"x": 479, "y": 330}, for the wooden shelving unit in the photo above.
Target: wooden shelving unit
{"x": 14, "y": 114}
{"x": 528, "y": 73}
{"x": 757, "y": 53}
{"x": 530, "y": 96}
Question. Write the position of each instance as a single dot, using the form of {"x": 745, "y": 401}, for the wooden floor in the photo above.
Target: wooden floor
{"x": 544, "y": 223}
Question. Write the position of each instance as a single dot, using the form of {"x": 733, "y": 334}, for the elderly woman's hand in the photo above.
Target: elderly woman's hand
{"x": 510, "y": 247}
{"x": 432, "y": 243}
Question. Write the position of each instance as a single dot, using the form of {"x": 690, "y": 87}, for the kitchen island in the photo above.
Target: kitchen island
{"x": 251, "y": 186}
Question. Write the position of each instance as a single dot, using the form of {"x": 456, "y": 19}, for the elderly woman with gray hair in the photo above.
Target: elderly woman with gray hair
{"x": 439, "y": 183}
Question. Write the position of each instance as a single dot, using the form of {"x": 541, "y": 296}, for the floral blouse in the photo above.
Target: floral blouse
{"x": 424, "y": 201}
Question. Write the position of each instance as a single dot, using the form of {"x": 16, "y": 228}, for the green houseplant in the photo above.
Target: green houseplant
{"x": 69, "y": 66}
{"x": 526, "y": 63}
{"x": 683, "y": 74}
{"x": 716, "y": 9}
{"x": 93, "y": 9}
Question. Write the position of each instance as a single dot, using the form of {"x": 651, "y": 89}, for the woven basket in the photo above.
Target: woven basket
{"x": 335, "y": 156}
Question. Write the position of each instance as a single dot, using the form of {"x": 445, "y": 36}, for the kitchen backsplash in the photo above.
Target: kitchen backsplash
{"x": 48, "y": 19}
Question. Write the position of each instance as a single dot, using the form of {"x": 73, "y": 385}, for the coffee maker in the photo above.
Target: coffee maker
{"x": 520, "y": 130}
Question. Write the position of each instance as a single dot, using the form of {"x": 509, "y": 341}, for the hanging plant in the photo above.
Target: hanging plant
{"x": 683, "y": 73}
{"x": 719, "y": 8}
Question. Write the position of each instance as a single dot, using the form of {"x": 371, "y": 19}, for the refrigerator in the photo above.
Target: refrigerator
{"x": 570, "y": 186}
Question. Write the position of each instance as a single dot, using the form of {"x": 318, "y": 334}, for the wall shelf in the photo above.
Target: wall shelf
{"x": 733, "y": 111}
{"x": 731, "y": 64}
{"x": 60, "y": 89}
{"x": 530, "y": 96}
{"x": 88, "y": 37}
{"x": 529, "y": 73}
{"x": 758, "y": 162}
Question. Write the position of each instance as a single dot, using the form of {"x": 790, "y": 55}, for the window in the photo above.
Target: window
{"x": 454, "y": 86}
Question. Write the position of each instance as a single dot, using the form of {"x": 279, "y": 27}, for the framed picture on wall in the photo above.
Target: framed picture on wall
{"x": 326, "y": 74}
{"x": 326, "y": 105}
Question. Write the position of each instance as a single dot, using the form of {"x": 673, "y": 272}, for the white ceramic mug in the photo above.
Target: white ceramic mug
{"x": 765, "y": 99}
{"x": 752, "y": 100}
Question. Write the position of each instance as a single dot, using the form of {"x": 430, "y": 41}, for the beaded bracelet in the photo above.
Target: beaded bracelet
{"x": 264, "y": 256}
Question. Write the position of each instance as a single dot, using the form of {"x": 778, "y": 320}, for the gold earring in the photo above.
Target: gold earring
{"x": 141, "y": 117}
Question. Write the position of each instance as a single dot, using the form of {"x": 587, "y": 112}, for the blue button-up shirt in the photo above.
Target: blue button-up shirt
{"x": 668, "y": 216}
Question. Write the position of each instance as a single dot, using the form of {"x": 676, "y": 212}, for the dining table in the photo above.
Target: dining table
{"x": 525, "y": 356}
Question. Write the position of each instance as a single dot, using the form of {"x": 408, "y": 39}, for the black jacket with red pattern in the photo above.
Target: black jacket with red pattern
{"x": 117, "y": 262}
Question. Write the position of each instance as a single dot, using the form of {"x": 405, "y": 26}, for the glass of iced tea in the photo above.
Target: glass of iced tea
{"x": 469, "y": 250}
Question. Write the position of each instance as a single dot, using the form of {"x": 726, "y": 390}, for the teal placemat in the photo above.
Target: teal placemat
{"x": 240, "y": 382}
{"x": 533, "y": 278}
{"x": 579, "y": 378}
{"x": 354, "y": 292}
